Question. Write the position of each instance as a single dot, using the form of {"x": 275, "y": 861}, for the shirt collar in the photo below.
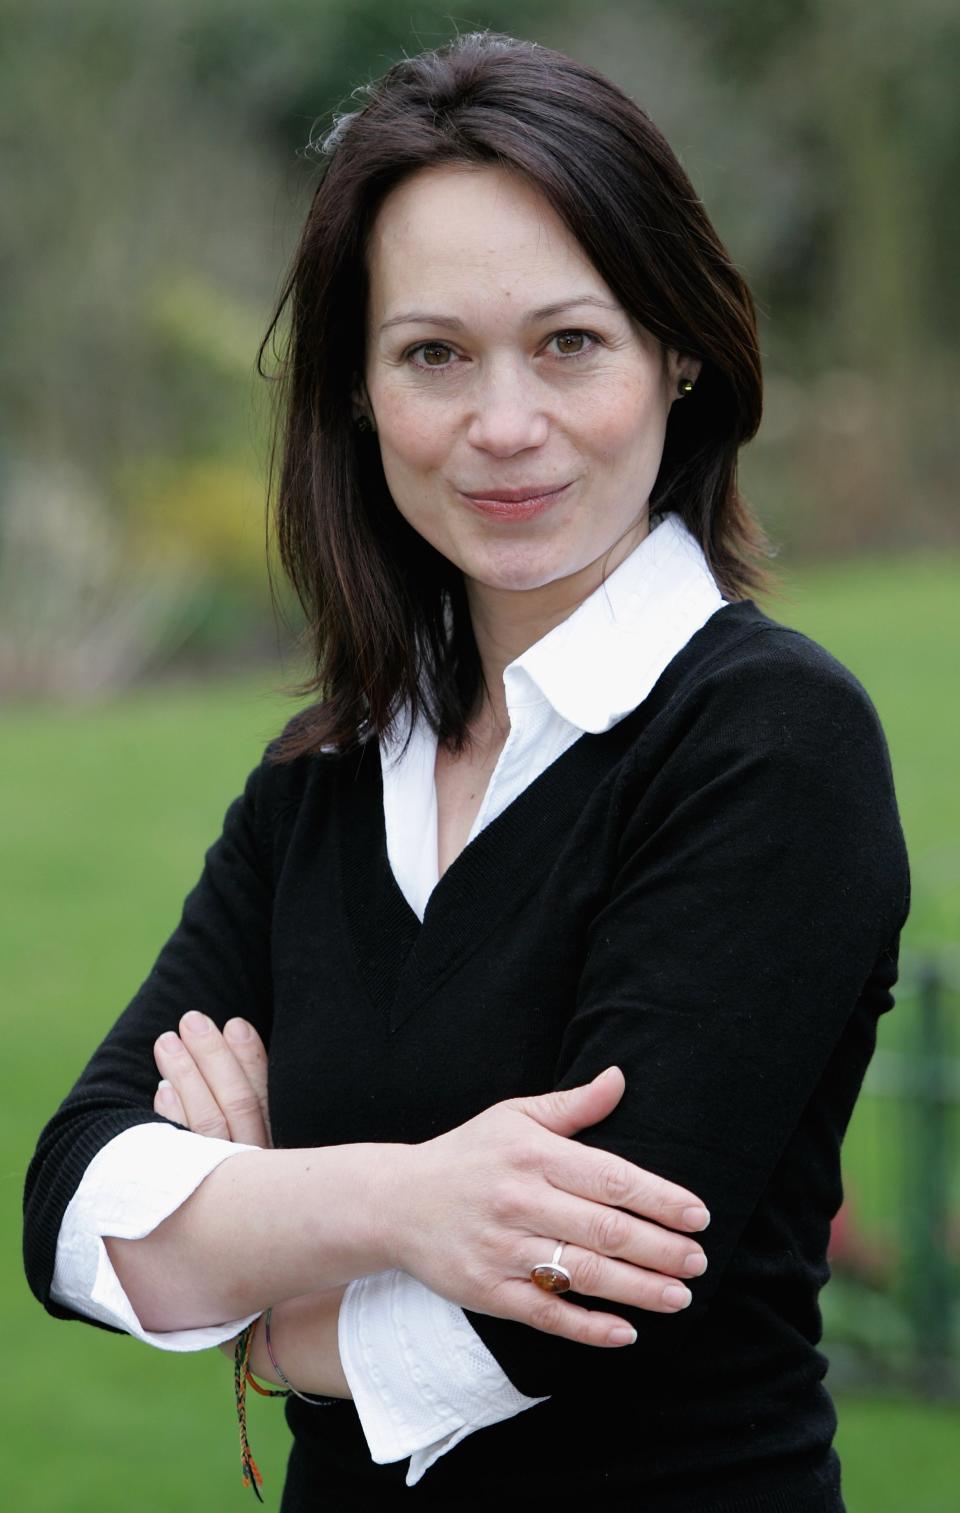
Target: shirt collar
{"x": 604, "y": 659}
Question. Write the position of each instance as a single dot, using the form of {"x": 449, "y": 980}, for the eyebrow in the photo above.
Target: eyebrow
{"x": 543, "y": 312}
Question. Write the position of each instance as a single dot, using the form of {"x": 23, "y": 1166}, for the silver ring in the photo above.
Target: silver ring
{"x": 550, "y": 1276}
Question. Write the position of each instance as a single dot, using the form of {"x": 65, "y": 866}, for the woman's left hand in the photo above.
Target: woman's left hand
{"x": 215, "y": 1084}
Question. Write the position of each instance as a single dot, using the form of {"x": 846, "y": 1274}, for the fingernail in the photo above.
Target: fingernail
{"x": 164, "y": 1091}
{"x": 695, "y": 1264}
{"x": 622, "y": 1335}
{"x": 605, "y": 1073}
{"x": 677, "y": 1297}
{"x": 237, "y": 1029}
{"x": 198, "y": 1023}
{"x": 170, "y": 1042}
{"x": 696, "y": 1218}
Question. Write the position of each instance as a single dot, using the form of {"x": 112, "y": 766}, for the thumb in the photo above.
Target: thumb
{"x": 567, "y": 1110}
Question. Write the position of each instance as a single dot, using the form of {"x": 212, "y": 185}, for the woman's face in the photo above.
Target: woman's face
{"x": 499, "y": 365}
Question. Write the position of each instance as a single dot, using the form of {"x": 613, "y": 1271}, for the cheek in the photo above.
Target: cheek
{"x": 412, "y": 436}
{"x": 413, "y": 451}
{"x": 625, "y": 419}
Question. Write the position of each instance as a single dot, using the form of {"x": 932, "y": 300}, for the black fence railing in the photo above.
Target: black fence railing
{"x": 892, "y": 1309}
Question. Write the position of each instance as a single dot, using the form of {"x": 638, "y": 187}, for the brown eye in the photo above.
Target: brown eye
{"x": 572, "y": 343}
{"x": 435, "y": 356}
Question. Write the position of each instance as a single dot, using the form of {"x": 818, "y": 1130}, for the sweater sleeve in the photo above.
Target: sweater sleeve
{"x": 761, "y": 881}
{"x": 218, "y": 961}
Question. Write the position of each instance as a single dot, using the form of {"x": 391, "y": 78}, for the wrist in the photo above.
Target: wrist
{"x": 385, "y": 1201}
{"x": 302, "y": 1353}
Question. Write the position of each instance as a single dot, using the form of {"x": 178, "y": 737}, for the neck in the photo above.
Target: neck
{"x": 507, "y": 621}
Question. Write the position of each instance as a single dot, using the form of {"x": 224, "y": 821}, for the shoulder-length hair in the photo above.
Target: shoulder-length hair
{"x": 387, "y": 621}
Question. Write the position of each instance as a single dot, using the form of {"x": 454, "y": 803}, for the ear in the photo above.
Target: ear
{"x": 360, "y": 403}
{"x": 680, "y": 365}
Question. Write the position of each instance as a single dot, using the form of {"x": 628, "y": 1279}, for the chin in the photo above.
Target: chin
{"x": 519, "y": 568}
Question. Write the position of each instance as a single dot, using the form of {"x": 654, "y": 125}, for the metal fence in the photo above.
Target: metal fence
{"x": 892, "y": 1309}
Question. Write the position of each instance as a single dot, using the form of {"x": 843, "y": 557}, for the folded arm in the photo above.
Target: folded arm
{"x": 762, "y": 881}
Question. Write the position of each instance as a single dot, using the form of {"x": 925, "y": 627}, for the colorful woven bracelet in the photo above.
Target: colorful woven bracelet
{"x": 242, "y": 1375}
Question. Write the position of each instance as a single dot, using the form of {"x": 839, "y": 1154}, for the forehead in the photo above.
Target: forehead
{"x": 472, "y": 233}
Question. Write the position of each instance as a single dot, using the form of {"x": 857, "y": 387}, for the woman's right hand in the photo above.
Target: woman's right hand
{"x": 214, "y": 1084}
{"x": 487, "y": 1201}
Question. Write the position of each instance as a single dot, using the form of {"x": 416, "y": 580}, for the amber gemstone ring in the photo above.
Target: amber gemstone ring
{"x": 550, "y": 1275}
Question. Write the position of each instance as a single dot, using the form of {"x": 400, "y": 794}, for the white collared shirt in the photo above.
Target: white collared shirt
{"x": 420, "y": 1375}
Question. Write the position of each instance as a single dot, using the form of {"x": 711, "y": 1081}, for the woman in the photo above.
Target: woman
{"x": 565, "y": 915}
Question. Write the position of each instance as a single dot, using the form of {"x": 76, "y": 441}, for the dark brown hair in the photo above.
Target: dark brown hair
{"x": 387, "y": 617}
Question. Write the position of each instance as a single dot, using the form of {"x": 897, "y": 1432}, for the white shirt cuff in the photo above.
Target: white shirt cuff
{"x": 421, "y": 1377}
{"x": 138, "y": 1179}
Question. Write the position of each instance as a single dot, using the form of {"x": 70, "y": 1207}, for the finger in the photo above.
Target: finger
{"x": 251, "y": 1053}
{"x": 586, "y": 1326}
{"x": 597, "y": 1276}
{"x": 167, "y": 1102}
{"x": 610, "y": 1179}
{"x": 202, "y": 1113}
{"x": 225, "y": 1078}
{"x": 614, "y": 1234}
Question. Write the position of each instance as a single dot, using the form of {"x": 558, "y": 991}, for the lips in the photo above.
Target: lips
{"x": 515, "y": 496}
{"x": 515, "y": 504}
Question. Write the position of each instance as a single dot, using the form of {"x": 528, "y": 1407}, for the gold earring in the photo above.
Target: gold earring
{"x": 685, "y": 386}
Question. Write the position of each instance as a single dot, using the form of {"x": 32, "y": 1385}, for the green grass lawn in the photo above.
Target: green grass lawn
{"x": 105, "y": 813}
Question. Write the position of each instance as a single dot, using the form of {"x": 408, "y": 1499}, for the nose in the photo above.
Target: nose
{"x": 507, "y": 414}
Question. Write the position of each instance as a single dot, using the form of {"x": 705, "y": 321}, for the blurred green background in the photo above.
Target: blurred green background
{"x": 155, "y": 178}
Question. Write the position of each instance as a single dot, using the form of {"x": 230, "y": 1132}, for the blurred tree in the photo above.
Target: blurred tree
{"x": 822, "y": 135}
{"x": 153, "y": 157}
{"x": 150, "y": 164}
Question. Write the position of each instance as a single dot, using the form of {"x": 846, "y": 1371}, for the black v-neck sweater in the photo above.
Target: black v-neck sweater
{"x": 709, "y": 895}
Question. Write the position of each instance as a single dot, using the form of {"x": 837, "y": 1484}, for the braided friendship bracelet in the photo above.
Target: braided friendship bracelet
{"x": 242, "y": 1375}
